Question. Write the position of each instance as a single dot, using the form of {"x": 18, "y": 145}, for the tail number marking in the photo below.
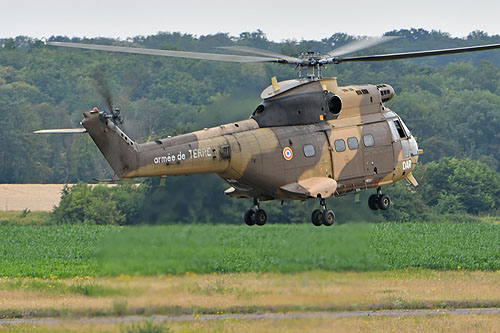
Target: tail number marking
{"x": 406, "y": 165}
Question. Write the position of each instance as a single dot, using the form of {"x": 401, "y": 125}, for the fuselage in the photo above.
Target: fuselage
{"x": 364, "y": 145}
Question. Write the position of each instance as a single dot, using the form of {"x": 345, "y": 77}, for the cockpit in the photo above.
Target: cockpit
{"x": 401, "y": 133}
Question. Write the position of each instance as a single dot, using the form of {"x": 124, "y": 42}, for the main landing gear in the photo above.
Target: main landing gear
{"x": 255, "y": 215}
{"x": 379, "y": 201}
{"x": 322, "y": 216}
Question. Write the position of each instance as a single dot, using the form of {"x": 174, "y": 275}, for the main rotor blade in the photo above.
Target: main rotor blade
{"x": 360, "y": 45}
{"x": 169, "y": 53}
{"x": 418, "y": 54}
{"x": 253, "y": 50}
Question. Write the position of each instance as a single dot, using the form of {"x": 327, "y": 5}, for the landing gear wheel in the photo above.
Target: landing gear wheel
{"x": 384, "y": 202}
{"x": 260, "y": 217}
{"x": 372, "y": 202}
{"x": 328, "y": 218}
{"x": 250, "y": 217}
{"x": 322, "y": 216}
{"x": 317, "y": 217}
{"x": 255, "y": 215}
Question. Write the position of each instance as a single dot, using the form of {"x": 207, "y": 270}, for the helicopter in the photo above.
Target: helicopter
{"x": 309, "y": 138}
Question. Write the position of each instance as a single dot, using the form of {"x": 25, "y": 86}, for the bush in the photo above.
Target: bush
{"x": 449, "y": 189}
{"x": 454, "y": 185}
{"x": 99, "y": 204}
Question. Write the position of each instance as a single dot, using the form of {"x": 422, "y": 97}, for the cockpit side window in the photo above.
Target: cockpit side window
{"x": 407, "y": 131}
{"x": 394, "y": 131}
{"x": 400, "y": 129}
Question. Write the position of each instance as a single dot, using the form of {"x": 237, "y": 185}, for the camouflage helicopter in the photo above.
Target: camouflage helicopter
{"x": 308, "y": 138}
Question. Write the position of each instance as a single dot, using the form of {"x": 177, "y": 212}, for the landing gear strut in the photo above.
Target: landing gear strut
{"x": 322, "y": 216}
{"x": 255, "y": 215}
{"x": 379, "y": 201}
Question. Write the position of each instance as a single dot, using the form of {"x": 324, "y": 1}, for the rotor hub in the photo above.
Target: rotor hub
{"x": 310, "y": 65}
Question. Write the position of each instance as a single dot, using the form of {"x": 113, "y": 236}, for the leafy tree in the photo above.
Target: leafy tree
{"x": 464, "y": 185}
{"x": 450, "y": 103}
{"x": 83, "y": 203}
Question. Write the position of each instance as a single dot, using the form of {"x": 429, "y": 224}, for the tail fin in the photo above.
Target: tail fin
{"x": 118, "y": 149}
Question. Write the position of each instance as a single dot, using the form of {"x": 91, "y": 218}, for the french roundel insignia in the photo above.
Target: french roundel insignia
{"x": 287, "y": 153}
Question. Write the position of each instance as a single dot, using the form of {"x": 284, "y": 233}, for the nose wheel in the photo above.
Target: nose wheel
{"x": 379, "y": 201}
{"x": 322, "y": 216}
{"x": 255, "y": 215}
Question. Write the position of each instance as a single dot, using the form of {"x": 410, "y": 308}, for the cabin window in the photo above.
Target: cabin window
{"x": 368, "y": 140}
{"x": 339, "y": 145}
{"x": 352, "y": 143}
{"x": 309, "y": 150}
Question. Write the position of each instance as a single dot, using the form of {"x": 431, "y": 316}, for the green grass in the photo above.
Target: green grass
{"x": 49, "y": 251}
{"x": 66, "y": 251}
{"x": 77, "y": 287}
{"x": 474, "y": 246}
{"x": 292, "y": 248}
{"x": 225, "y": 248}
{"x": 23, "y": 217}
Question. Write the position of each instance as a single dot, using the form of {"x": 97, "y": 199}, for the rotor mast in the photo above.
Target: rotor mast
{"x": 310, "y": 65}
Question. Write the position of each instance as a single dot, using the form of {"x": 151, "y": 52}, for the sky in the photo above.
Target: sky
{"x": 279, "y": 20}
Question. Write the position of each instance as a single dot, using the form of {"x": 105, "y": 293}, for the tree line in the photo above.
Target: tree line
{"x": 450, "y": 103}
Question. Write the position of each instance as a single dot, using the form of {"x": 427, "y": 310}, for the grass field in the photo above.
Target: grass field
{"x": 67, "y": 251}
{"x": 49, "y": 251}
{"x": 194, "y": 294}
{"x": 225, "y": 249}
{"x": 24, "y": 217}
{"x": 293, "y": 248}
{"x": 93, "y": 271}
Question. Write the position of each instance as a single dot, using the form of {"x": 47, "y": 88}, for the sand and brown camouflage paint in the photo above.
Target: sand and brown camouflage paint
{"x": 264, "y": 158}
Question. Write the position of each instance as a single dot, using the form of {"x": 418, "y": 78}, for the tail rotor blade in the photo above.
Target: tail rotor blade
{"x": 61, "y": 131}
{"x": 103, "y": 88}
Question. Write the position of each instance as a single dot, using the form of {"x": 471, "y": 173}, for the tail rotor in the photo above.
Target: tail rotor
{"x": 102, "y": 86}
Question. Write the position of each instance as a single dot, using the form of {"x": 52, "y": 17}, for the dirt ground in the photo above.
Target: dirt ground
{"x": 35, "y": 197}
{"x": 250, "y": 293}
{"x": 316, "y": 301}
